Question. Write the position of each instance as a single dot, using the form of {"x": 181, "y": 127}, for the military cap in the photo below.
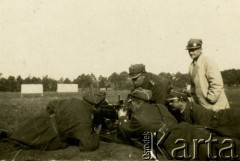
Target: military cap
{"x": 142, "y": 94}
{"x": 175, "y": 95}
{"x": 136, "y": 70}
{"x": 194, "y": 44}
{"x": 94, "y": 97}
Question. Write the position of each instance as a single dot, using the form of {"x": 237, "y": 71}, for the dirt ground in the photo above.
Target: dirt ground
{"x": 106, "y": 151}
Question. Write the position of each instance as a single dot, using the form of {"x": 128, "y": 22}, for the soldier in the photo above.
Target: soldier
{"x": 224, "y": 122}
{"x": 65, "y": 122}
{"x": 159, "y": 86}
{"x": 158, "y": 120}
{"x": 145, "y": 116}
{"x": 206, "y": 79}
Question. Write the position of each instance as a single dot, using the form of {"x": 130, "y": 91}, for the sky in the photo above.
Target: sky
{"x": 67, "y": 38}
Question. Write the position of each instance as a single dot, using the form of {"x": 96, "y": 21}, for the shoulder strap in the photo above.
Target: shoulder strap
{"x": 163, "y": 118}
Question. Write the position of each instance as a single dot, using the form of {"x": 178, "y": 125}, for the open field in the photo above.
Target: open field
{"x": 14, "y": 110}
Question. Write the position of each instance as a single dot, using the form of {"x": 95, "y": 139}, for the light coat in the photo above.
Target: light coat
{"x": 207, "y": 84}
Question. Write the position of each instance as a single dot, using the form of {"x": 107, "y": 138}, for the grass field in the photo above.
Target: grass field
{"x": 14, "y": 110}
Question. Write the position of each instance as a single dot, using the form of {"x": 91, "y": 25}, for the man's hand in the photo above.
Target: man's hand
{"x": 211, "y": 98}
{"x": 188, "y": 91}
{"x": 99, "y": 128}
{"x": 121, "y": 112}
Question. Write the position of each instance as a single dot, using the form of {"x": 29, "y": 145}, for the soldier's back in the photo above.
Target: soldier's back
{"x": 159, "y": 86}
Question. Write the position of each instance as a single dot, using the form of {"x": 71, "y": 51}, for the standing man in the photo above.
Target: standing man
{"x": 206, "y": 79}
{"x": 159, "y": 86}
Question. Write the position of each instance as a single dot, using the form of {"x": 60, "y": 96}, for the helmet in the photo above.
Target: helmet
{"x": 194, "y": 44}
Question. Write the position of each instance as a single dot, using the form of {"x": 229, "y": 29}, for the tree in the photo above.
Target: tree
{"x": 67, "y": 81}
{"x": 231, "y": 77}
{"x": 27, "y": 80}
{"x": 11, "y": 84}
{"x": 3, "y": 86}
{"x": 83, "y": 81}
{"x": 36, "y": 80}
{"x": 115, "y": 79}
{"x": 61, "y": 80}
{"x": 49, "y": 84}
{"x": 124, "y": 82}
{"x": 19, "y": 83}
{"x": 180, "y": 80}
{"x": 102, "y": 82}
{"x": 94, "y": 80}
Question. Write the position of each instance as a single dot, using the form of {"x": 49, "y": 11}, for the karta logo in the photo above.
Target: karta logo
{"x": 181, "y": 150}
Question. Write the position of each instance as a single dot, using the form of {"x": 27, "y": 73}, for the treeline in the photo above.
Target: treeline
{"x": 231, "y": 77}
{"x": 116, "y": 81}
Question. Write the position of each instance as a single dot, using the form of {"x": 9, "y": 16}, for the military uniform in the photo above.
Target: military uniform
{"x": 148, "y": 118}
{"x": 159, "y": 86}
{"x": 73, "y": 125}
{"x": 224, "y": 122}
{"x": 151, "y": 118}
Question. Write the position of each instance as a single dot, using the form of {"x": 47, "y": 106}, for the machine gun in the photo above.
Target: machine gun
{"x": 107, "y": 116}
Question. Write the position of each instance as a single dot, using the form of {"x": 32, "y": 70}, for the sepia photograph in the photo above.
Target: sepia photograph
{"x": 119, "y": 80}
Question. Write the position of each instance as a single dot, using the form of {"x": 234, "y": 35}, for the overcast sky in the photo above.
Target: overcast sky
{"x": 66, "y": 38}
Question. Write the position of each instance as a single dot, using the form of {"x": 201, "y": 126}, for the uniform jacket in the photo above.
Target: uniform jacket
{"x": 148, "y": 118}
{"x": 207, "y": 84}
{"x": 74, "y": 123}
{"x": 159, "y": 86}
{"x": 197, "y": 114}
{"x": 224, "y": 122}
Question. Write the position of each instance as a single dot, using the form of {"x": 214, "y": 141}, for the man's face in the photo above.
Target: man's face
{"x": 195, "y": 53}
{"x": 175, "y": 105}
{"x": 137, "y": 82}
{"x": 134, "y": 106}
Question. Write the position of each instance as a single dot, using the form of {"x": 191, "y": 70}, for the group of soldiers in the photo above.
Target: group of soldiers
{"x": 153, "y": 106}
